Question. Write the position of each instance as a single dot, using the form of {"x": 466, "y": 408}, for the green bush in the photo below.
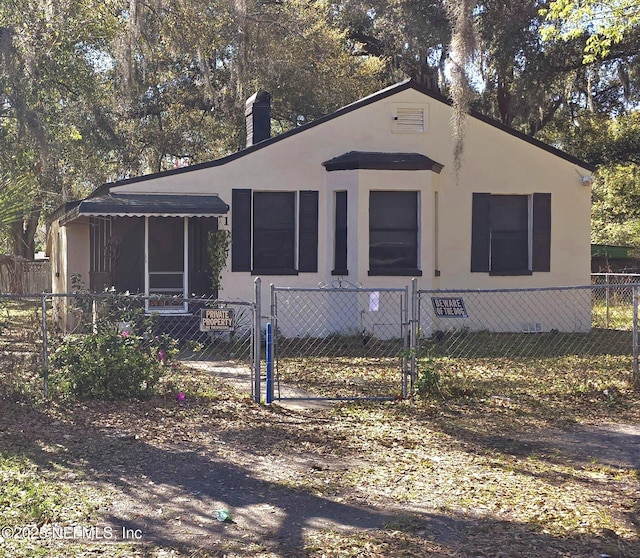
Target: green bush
{"x": 428, "y": 378}
{"x": 110, "y": 365}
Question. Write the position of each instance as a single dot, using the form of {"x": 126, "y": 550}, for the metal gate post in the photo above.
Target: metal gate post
{"x": 269, "y": 359}
{"x": 606, "y": 279}
{"x": 405, "y": 321}
{"x": 274, "y": 340}
{"x": 635, "y": 338}
{"x": 257, "y": 341}
{"x": 45, "y": 348}
{"x": 413, "y": 334}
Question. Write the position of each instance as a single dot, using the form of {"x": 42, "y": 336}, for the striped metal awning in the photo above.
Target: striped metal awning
{"x": 149, "y": 205}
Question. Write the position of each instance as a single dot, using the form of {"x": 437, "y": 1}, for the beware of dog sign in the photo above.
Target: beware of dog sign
{"x": 449, "y": 307}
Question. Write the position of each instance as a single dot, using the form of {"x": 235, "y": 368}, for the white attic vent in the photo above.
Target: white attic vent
{"x": 408, "y": 120}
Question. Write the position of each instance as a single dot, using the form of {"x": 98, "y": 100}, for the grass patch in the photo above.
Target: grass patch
{"x": 343, "y": 376}
{"x": 36, "y": 502}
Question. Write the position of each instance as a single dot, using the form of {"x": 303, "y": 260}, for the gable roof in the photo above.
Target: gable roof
{"x": 373, "y": 98}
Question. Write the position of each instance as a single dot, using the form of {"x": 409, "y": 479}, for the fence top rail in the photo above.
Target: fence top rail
{"x": 139, "y": 297}
{"x": 607, "y": 274}
{"x": 342, "y": 289}
{"x": 11, "y": 296}
{"x": 530, "y": 289}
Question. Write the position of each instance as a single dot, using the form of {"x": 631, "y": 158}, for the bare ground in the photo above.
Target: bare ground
{"x": 363, "y": 480}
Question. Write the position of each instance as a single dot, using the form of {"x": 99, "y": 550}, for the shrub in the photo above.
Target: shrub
{"x": 428, "y": 379}
{"x": 110, "y": 365}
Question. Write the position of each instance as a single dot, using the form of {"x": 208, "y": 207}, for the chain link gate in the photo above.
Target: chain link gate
{"x": 340, "y": 342}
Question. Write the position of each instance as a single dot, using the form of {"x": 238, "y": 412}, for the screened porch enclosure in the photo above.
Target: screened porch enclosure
{"x": 152, "y": 255}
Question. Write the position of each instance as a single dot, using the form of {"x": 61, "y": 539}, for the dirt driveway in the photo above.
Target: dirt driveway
{"x": 364, "y": 480}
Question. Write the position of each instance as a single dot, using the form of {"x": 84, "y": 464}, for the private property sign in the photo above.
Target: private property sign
{"x": 216, "y": 319}
{"x": 449, "y": 307}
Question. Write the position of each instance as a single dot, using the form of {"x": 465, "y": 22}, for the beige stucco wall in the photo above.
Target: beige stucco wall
{"x": 72, "y": 257}
{"x": 494, "y": 161}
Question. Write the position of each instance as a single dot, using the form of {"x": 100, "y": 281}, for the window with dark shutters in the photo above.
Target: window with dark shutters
{"x": 511, "y": 234}
{"x": 264, "y": 235}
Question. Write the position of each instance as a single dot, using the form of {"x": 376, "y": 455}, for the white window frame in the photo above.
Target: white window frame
{"x": 179, "y": 309}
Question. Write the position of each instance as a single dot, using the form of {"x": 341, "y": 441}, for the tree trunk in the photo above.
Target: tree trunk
{"x": 23, "y": 236}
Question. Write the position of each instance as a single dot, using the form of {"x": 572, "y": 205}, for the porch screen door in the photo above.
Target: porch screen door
{"x": 166, "y": 269}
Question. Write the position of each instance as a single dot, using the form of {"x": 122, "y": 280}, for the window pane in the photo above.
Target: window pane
{"x": 509, "y": 252}
{"x": 393, "y": 230}
{"x": 166, "y": 244}
{"x": 393, "y": 210}
{"x": 392, "y": 249}
{"x": 165, "y": 281}
{"x": 509, "y": 213}
{"x": 509, "y": 234}
{"x": 273, "y": 230}
{"x": 273, "y": 210}
{"x": 274, "y": 250}
{"x": 340, "y": 240}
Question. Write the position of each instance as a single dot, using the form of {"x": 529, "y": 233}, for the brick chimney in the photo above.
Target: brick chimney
{"x": 258, "y": 117}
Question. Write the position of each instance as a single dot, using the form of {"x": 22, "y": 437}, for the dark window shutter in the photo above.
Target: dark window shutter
{"x": 200, "y": 228}
{"x": 340, "y": 232}
{"x": 308, "y": 231}
{"x": 541, "y": 260}
{"x": 480, "y": 232}
{"x": 240, "y": 230}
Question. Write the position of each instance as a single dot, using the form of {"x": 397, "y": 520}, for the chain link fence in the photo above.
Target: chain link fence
{"x": 523, "y": 323}
{"x": 340, "y": 342}
{"x": 201, "y": 334}
{"x": 22, "y": 347}
{"x": 207, "y": 334}
{"x": 613, "y": 296}
{"x": 568, "y": 330}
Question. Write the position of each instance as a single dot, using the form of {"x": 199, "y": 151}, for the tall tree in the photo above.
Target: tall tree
{"x": 47, "y": 82}
{"x": 606, "y": 23}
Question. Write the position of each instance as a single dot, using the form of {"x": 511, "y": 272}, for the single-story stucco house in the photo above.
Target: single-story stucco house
{"x": 368, "y": 193}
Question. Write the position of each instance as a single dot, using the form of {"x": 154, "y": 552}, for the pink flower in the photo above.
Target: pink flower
{"x": 125, "y": 333}
{"x": 180, "y": 396}
{"x": 161, "y": 356}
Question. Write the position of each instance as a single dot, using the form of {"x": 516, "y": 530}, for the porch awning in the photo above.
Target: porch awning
{"x": 149, "y": 205}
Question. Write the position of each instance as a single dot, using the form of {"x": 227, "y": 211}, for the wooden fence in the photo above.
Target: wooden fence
{"x": 19, "y": 276}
